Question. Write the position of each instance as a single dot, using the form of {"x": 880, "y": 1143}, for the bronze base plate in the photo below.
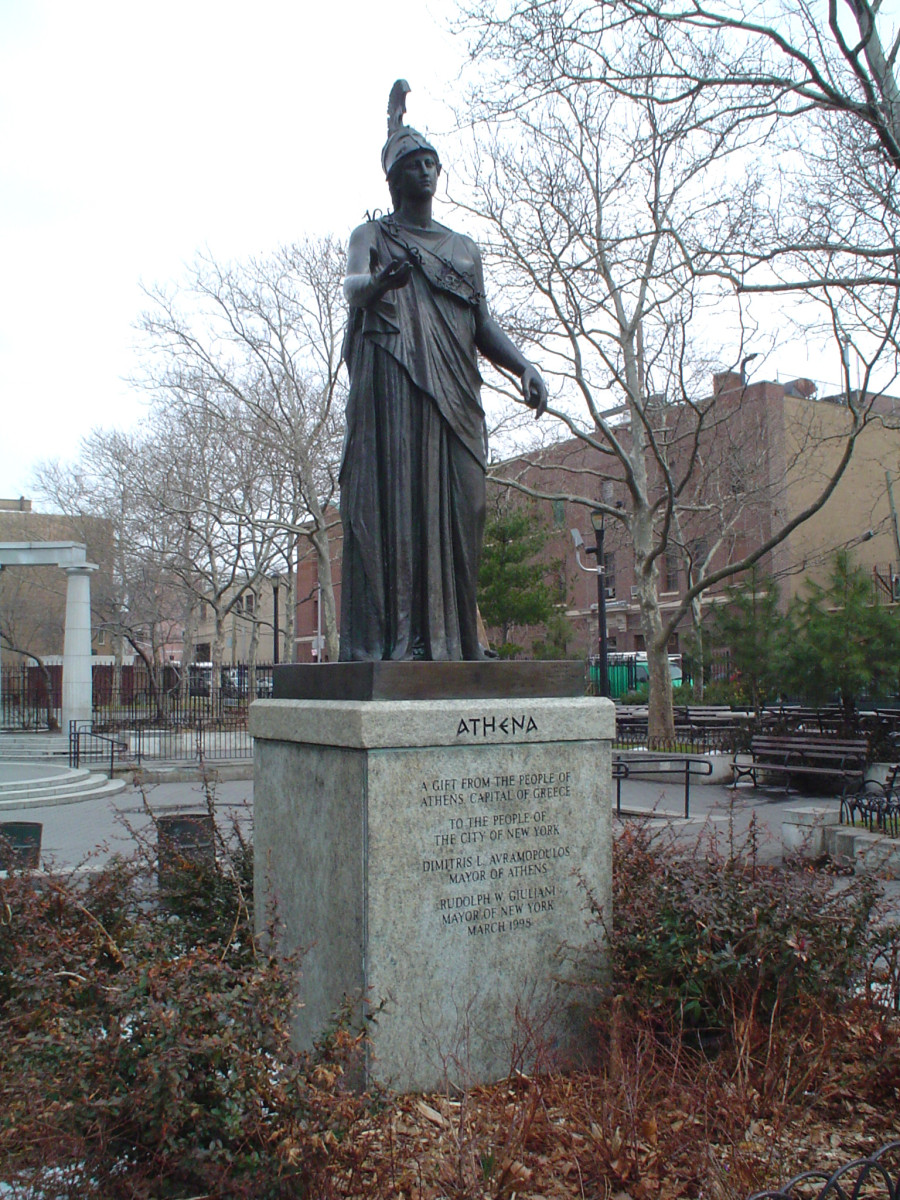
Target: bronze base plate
{"x": 493, "y": 680}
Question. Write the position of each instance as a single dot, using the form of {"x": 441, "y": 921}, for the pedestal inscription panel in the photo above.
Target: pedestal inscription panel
{"x": 477, "y": 852}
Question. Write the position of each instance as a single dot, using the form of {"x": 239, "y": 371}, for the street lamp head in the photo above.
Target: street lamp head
{"x": 747, "y": 358}
{"x": 598, "y": 518}
{"x": 577, "y": 539}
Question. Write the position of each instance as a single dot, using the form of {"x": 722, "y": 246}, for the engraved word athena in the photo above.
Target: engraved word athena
{"x": 486, "y": 725}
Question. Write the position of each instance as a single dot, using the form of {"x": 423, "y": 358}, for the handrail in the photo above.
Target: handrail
{"x": 75, "y": 736}
{"x": 664, "y": 764}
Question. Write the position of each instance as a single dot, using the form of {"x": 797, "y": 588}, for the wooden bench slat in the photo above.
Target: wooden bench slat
{"x": 802, "y": 754}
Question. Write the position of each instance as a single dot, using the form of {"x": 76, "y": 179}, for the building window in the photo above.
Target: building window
{"x": 609, "y": 575}
{"x": 249, "y": 603}
{"x": 203, "y": 610}
{"x": 559, "y": 513}
{"x": 671, "y": 571}
{"x": 101, "y": 637}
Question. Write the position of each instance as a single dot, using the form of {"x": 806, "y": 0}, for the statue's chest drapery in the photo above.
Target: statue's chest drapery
{"x": 429, "y": 326}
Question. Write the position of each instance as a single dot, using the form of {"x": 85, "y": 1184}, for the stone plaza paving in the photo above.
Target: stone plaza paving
{"x": 87, "y": 832}
{"x": 74, "y": 831}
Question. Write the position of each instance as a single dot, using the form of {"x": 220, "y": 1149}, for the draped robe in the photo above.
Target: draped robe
{"x": 413, "y": 469}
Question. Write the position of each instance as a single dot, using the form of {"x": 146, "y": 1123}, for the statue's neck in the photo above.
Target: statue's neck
{"x": 415, "y": 214}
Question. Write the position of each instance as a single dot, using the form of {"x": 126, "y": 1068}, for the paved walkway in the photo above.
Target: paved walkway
{"x": 86, "y": 833}
{"x": 721, "y": 810}
{"x": 74, "y": 832}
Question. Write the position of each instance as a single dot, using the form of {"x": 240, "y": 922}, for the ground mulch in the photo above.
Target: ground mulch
{"x": 552, "y": 1137}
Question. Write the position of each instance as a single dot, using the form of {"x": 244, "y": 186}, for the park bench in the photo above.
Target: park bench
{"x": 876, "y": 805}
{"x": 791, "y": 755}
{"x": 797, "y": 718}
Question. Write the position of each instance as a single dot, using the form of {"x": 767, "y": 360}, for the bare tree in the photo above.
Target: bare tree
{"x": 613, "y": 210}
{"x": 781, "y": 59}
{"x": 257, "y": 345}
{"x": 143, "y": 605}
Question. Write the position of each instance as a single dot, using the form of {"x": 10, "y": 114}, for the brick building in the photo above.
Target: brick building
{"x": 773, "y": 448}
{"x": 767, "y": 455}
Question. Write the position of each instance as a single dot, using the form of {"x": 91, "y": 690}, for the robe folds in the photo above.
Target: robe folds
{"x": 413, "y": 469}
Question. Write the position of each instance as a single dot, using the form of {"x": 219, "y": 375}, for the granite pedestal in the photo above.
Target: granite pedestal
{"x": 432, "y": 860}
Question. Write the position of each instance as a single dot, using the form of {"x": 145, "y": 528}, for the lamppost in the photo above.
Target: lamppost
{"x": 598, "y": 522}
{"x": 276, "y": 579}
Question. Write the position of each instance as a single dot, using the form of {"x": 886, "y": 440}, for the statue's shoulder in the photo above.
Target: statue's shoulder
{"x": 367, "y": 231}
{"x": 467, "y": 248}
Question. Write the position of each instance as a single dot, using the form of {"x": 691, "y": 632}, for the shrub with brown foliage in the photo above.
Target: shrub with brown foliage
{"x": 144, "y": 1046}
{"x": 701, "y": 938}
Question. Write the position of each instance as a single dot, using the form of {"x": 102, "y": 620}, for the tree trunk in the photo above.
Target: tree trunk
{"x": 326, "y": 591}
{"x": 660, "y": 717}
{"x": 218, "y": 653}
{"x": 699, "y": 680}
{"x": 289, "y": 645}
{"x": 187, "y": 652}
{"x": 253, "y": 653}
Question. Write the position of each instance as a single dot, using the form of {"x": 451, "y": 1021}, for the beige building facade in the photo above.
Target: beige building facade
{"x": 33, "y": 598}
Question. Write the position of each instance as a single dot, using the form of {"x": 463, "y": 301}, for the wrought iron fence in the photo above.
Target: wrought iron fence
{"x": 129, "y": 698}
{"x": 876, "y": 1177}
{"x": 697, "y": 731}
{"x": 685, "y": 741}
{"x": 30, "y": 697}
{"x": 210, "y": 741}
{"x": 199, "y": 716}
{"x": 168, "y": 710}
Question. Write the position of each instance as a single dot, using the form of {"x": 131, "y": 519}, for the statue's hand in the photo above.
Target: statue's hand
{"x": 535, "y": 391}
{"x": 395, "y": 275}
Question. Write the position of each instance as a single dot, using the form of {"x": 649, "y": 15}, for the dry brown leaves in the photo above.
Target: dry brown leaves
{"x": 593, "y": 1136}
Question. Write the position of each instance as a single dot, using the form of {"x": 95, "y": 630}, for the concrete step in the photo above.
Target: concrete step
{"x": 35, "y": 777}
{"x": 26, "y": 747}
{"x": 68, "y": 786}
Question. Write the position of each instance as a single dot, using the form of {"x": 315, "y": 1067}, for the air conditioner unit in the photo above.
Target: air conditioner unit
{"x": 895, "y": 588}
{"x": 634, "y": 592}
{"x": 610, "y": 593}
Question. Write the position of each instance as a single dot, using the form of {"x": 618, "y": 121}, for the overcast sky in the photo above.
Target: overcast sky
{"x": 133, "y": 135}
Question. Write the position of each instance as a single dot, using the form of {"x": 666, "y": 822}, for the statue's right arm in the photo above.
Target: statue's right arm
{"x": 366, "y": 281}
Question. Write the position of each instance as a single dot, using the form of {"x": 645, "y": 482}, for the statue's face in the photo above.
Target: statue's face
{"x": 416, "y": 175}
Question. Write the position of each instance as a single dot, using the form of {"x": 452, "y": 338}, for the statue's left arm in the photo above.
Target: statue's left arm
{"x": 499, "y": 349}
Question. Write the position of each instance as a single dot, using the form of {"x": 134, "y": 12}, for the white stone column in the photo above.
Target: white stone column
{"x": 77, "y": 681}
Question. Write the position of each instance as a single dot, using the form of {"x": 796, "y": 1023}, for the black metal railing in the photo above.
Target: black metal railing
{"x": 652, "y": 766}
{"x": 211, "y": 741}
{"x": 31, "y": 697}
{"x": 88, "y": 746}
{"x": 876, "y": 1177}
